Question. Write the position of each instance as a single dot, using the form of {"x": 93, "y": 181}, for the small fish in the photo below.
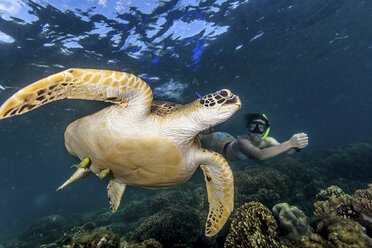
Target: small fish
{"x": 2, "y": 87}
{"x": 196, "y": 82}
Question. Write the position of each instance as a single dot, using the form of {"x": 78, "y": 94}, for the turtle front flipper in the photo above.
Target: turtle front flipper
{"x": 89, "y": 84}
{"x": 220, "y": 186}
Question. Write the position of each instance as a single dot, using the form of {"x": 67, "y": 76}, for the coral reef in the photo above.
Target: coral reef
{"x": 335, "y": 204}
{"x": 314, "y": 240}
{"x": 149, "y": 243}
{"x": 338, "y": 232}
{"x": 353, "y": 159}
{"x": 42, "y": 231}
{"x": 253, "y": 226}
{"x": 339, "y": 217}
{"x": 76, "y": 232}
{"x": 291, "y": 220}
{"x": 170, "y": 226}
{"x": 326, "y": 194}
{"x": 87, "y": 235}
{"x": 345, "y": 233}
{"x": 262, "y": 185}
{"x": 174, "y": 217}
{"x": 98, "y": 239}
{"x": 362, "y": 202}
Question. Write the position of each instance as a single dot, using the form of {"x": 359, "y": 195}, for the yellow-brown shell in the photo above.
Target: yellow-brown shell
{"x": 136, "y": 157}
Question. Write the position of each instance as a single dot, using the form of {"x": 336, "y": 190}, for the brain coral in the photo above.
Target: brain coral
{"x": 253, "y": 226}
{"x": 292, "y": 220}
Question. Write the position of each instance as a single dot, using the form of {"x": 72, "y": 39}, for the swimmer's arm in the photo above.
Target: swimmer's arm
{"x": 249, "y": 149}
{"x": 273, "y": 142}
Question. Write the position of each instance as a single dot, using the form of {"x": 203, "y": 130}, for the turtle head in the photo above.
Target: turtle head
{"x": 217, "y": 107}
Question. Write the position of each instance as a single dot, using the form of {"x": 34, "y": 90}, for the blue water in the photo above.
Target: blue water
{"x": 305, "y": 64}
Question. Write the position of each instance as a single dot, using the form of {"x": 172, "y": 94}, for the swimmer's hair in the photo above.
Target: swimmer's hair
{"x": 254, "y": 116}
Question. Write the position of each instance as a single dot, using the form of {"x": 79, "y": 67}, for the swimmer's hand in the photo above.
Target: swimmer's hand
{"x": 299, "y": 141}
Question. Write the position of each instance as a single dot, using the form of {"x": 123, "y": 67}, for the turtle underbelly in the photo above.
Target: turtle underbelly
{"x": 134, "y": 159}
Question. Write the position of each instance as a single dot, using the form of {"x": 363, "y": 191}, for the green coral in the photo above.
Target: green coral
{"x": 253, "y": 226}
{"x": 292, "y": 220}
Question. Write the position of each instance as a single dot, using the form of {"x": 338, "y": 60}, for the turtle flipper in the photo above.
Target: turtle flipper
{"x": 89, "y": 84}
{"x": 80, "y": 173}
{"x": 220, "y": 186}
{"x": 115, "y": 192}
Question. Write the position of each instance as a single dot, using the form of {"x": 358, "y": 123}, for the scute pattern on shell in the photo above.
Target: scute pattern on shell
{"x": 163, "y": 108}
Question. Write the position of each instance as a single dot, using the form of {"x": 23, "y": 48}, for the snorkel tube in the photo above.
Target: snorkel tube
{"x": 268, "y": 128}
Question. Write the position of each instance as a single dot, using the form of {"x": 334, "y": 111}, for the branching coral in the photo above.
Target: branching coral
{"x": 333, "y": 202}
{"x": 325, "y": 194}
{"x": 292, "y": 220}
{"x": 340, "y": 219}
{"x": 253, "y": 226}
{"x": 362, "y": 201}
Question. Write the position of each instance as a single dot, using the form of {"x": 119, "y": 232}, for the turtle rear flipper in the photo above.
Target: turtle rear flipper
{"x": 115, "y": 191}
{"x": 80, "y": 173}
{"x": 220, "y": 186}
{"x": 89, "y": 84}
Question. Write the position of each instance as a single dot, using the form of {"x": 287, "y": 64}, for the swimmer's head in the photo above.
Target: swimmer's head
{"x": 258, "y": 126}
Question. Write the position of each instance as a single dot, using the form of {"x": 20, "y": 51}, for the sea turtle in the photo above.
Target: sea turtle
{"x": 138, "y": 141}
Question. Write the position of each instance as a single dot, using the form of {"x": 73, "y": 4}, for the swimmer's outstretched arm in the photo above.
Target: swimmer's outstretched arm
{"x": 273, "y": 142}
{"x": 299, "y": 140}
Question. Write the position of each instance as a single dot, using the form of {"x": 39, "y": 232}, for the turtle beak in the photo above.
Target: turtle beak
{"x": 234, "y": 100}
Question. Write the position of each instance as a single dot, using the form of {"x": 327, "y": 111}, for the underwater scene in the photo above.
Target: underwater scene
{"x": 185, "y": 123}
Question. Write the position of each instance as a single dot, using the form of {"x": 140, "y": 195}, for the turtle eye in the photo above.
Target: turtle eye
{"x": 224, "y": 93}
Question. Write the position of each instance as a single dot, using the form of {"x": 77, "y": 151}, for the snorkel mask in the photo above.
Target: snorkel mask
{"x": 257, "y": 128}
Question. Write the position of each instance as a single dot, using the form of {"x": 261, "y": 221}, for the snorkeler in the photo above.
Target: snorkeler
{"x": 255, "y": 144}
